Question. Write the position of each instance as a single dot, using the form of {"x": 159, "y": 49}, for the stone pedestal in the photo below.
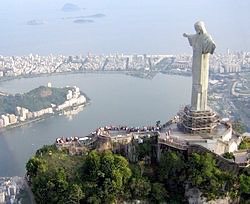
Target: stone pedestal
{"x": 197, "y": 121}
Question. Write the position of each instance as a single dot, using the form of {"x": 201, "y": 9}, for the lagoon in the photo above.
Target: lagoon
{"x": 116, "y": 99}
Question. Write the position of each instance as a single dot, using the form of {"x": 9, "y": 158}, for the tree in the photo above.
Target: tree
{"x": 34, "y": 165}
{"x": 244, "y": 181}
{"x": 94, "y": 200}
{"x": 106, "y": 175}
{"x": 139, "y": 188}
{"x": 91, "y": 167}
{"x": 245, "y": 144}
{"x": 158, "y": 123}
{"x": 205, "y": 175}
{"x": 107, "y": 178}
{"x": 122, "y": 165}
{"x": 144, "y": 149}
{"x": 229, "y": 155}
{"x": 245, "y": 184}
{"x": 158, "y": 193}
{"x": 51, "y": 187}
{"x": 171, "y": 166}
{"x": 75, "y": 193}
{"x": 46, "y": 149}
{"x": 107, "y": 163}
{"x": 238, "y": 127}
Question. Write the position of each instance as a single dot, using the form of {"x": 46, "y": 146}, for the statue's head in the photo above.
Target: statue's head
{"x": 199, "y": 27}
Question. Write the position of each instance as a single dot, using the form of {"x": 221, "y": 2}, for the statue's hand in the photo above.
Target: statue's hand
{"x": 185, "y": 35}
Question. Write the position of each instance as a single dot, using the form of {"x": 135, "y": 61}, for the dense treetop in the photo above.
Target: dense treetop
{"x": 105, "y": 177}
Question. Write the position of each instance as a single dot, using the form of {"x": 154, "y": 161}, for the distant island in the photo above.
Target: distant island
{"x": 85, "y": 19}
{"x": 98, "y": 15}
{"x": 35, "y": 22}
{"x": 68, "y": 7}
{"x": 38, "y": 103}
{"x": 81, "y": 21}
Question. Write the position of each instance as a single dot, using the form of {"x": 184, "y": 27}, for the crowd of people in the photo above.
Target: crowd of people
{"x": 126, "y": 129}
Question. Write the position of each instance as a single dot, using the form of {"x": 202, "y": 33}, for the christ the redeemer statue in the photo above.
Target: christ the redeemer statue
{"x": 203, "y": 46}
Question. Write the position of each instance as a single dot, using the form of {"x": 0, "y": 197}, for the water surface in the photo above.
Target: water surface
{"x": 115, "y": 99}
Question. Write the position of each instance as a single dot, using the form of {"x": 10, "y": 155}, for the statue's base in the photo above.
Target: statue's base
{"x": 193, "y": 122}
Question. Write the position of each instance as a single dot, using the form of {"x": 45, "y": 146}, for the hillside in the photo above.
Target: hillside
{"x": 34, "y": 100}
{"x": 104, "y": 177}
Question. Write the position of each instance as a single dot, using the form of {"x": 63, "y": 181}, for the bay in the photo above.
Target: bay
{"x": 116, "y": 99}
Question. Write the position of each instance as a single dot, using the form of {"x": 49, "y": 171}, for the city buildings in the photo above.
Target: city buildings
{"x": 225, "y": 69}
{"x": 73, "y": 99}
{"x": 13, "y": 66}
{"x": 9, "y": 189}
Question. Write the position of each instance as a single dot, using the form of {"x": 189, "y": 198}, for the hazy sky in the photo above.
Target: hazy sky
{"x": 130, "y": 26}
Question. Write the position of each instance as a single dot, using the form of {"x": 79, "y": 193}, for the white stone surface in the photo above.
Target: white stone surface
{"x": 203, "y": 46}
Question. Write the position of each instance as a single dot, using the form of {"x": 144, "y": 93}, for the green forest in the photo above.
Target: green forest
{"x": 36, "y": 99}
{"x": 104, "y": 177}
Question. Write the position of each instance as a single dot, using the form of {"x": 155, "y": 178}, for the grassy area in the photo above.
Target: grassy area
{"x": 56, "y": 158}
{"x": 64, "y": 160}
{"x": 245, "y": 144}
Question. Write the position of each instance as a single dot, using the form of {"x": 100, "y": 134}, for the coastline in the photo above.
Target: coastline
{"x": 44, "y": 117}
{"x": 19, "y": 124}
{"x": 3, "y": 79}
{"x": 126, "y": 72}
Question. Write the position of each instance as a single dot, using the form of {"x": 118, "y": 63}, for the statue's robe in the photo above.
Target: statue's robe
{"x": 203, "y": 45}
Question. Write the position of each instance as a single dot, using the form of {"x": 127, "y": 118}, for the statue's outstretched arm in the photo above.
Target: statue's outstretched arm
{"x": 189, "y": 37}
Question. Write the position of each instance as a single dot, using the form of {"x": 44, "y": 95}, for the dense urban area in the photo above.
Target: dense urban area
{"x": 229, "y": 73}
{"x": 229, "y": 91}
{"x": 10, "y": 188}
{"x": 13, "y": 66}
